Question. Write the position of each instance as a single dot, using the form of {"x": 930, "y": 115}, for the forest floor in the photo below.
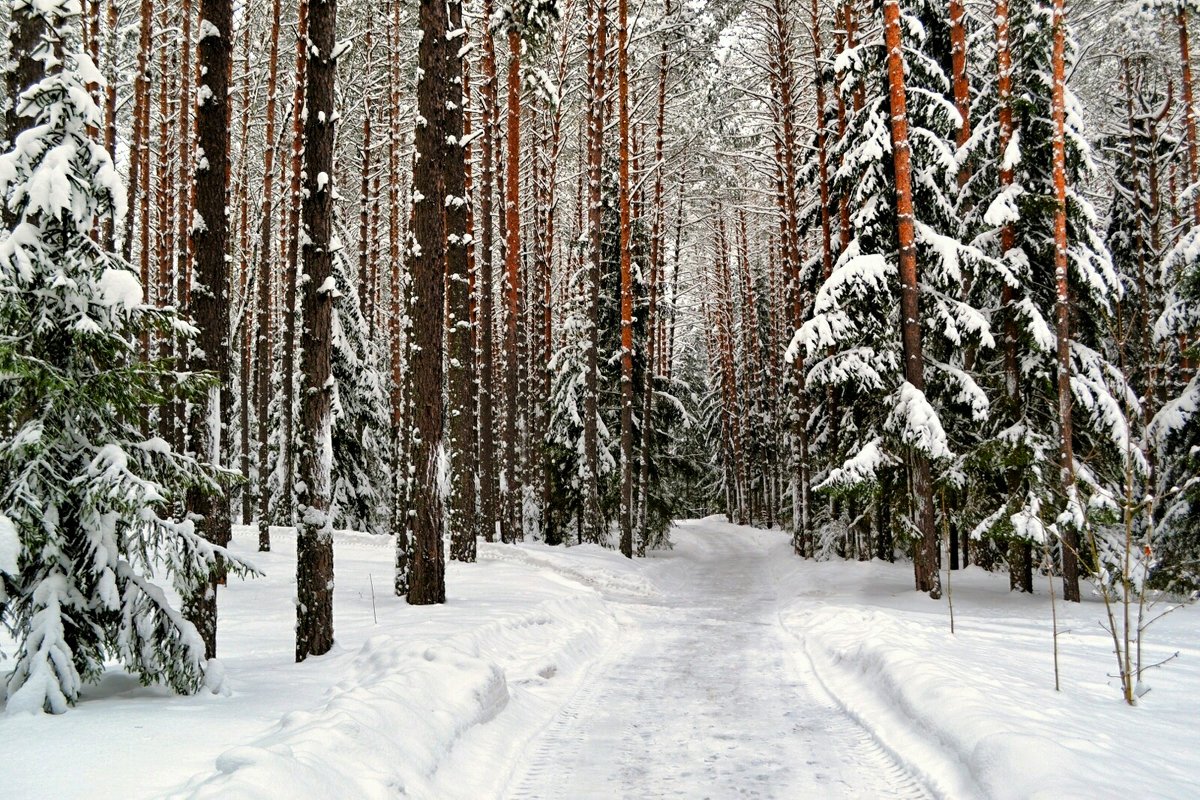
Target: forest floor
{"x": 724, "y": 668}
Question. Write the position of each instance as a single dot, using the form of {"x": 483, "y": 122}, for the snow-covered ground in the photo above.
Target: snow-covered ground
{"x": 725, "y": 668}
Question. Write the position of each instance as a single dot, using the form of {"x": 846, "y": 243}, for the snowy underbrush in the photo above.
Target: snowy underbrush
{"x": 975, "y": 713}
{"x": 379, "y": 716}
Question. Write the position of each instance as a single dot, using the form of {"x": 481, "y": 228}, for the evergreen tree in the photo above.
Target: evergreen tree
{"x": 853, "y": 338}
{"x": 86, "y": 496}
{"x": 1009, "y": 205}
{"x": 361, "y": 439}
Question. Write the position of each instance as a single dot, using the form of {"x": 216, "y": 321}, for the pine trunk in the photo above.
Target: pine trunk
{"x": 462, "y": 517}
{"x": 925, "y": 548}
{"x": 485, "y": 287}
{"x": 427, "y": 263}
{"x": 264, "y": 348}
{"x": 286, "y": 507}
{"x": 314, "y": 532}
{"x": 593, "y": 519}
{"x": 626, "y": 508}
{"x": 510, "y": 487}
{"x": 210, "y": 293}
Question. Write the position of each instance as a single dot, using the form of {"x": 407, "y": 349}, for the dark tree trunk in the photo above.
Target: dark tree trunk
{"x": 626, "y": 510}
{"x": 285, "y": 507}
{"x": 264, "y": 347}
{"x": 485, "y": 287}
{"x": 314, "y": 534}
{"x": 593, "y": 520}
{"x": 210, "y": 293}
{"x": 427, "y": 581}
{"x": 463, "y": 517}
{"x": 26, "y": 31}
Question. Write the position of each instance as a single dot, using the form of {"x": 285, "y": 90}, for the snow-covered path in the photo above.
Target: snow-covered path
{"x": 707, "y": 696}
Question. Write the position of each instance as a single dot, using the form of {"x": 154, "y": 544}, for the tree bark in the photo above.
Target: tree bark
{"x": 510, "y": 488}
{"x": 139, "y": 146}
{"x": 656, "y": 269}
{"x": 462, "y": 518}
{"x": 314, "y": 531}
{"x": 593, "y": 519}
{"x": 626, "y": 509}
{"x": 1189, "y": 106}
{"x": 285, "y": 512}
{"x": 427, "y": 584}
{"x": 959, "y": 79}
{"x": 210, "y": 292}
{"x": 485, "y": 287}
{"x": 264, "y": 354}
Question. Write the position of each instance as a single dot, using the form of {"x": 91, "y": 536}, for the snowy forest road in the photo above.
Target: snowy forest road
{"x": 708, "y": 696}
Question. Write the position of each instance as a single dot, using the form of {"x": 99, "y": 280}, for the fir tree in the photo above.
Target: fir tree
{"x": 852, "y": 339}
{"x": 361, "y": 439}
{"x": 1009, "y": 205}
{"x": 86, "y": 496}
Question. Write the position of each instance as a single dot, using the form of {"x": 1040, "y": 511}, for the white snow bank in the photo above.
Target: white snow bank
{"x": 380, "y": 735}
{"x": 588, "y": 564}
{"x": 388, "y": 726}
{"x": 975, "y": 713}
{"x": 385, "y": 713}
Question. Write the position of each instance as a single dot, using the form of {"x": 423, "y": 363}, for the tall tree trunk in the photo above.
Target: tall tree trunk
{"x": 593, "y": 520}
{"x": 427, "y": 263}
{"x": 1193, "y": 149}
{"x": 1008, "y": 241}
{"x": 925, "y": 552}
{"x": 138, "y": 148}
{"x": 1189, "y": 106}
{"x": 210, "y": 293}
{"x": 186, "y": 198}
{"x": 139, "y": 163}
{"x": 656, "y": 269}
{"x": 626, "y": 509}
{"x": 798, "y": 411}
{"x": 367, "y": 165}
{"x": 510, "y": 485}
{"x": 462, "y": 517}
{"x": 264, "y": 355}
{"x": 164, "y": 182}
{"x": 401, "y": 412}
{"x": 314, "y": 533}
{"x": 1062, "y": 309}
{"x": 247, "y": 319}
{"x": 485, "y": 287}
{"x": 285, "y": 512}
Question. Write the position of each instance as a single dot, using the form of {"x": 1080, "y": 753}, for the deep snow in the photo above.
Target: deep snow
{"x": 724, "y": 668}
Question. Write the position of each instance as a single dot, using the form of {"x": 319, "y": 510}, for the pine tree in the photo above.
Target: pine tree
{"x": 1009, "y": 204}
{"x": 890, "y": 413}
{"x": 86, "y": 496}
